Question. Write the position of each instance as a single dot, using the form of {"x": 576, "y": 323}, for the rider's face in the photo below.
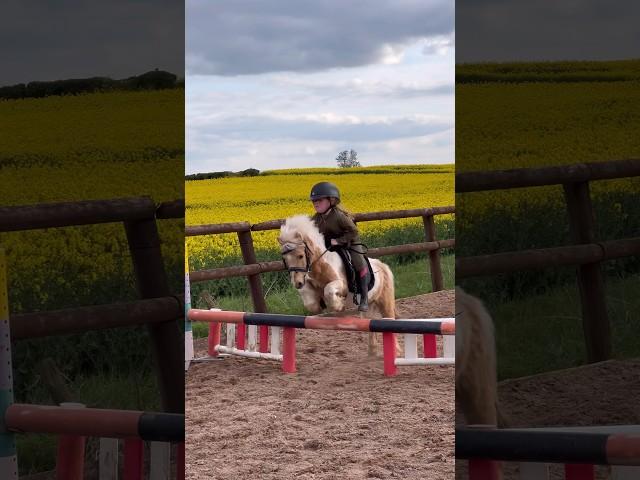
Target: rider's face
{"x": 321, "y": 205}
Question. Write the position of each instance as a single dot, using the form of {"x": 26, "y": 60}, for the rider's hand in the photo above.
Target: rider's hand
{"x": 334, "y": 241}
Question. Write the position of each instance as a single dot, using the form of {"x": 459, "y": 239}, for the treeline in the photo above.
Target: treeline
{"x": 154, "y": 80}
{"x": 250, "y": 172}
{"x": 373, "y": 170}
{"x": 523, "y": 72}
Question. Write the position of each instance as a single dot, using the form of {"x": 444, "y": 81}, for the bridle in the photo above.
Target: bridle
{"x": 285, "y": 251}
{"x": 307, "y": 254}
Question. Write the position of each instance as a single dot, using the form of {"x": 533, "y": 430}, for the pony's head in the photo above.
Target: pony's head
{"x": 298, "y": 237}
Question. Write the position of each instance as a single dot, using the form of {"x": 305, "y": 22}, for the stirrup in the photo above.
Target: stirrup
{"x": 361, "y": 307}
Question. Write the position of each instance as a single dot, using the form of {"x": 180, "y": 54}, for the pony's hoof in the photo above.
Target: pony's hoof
{"x": 363, "y": 308}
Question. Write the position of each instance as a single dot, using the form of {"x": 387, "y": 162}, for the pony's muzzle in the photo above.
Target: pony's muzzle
{"x": 299, "y": 285}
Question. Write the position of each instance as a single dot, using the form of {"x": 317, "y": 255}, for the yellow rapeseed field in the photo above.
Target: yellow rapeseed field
{"x": 85, "y": 147}
{"x": 281, "y": 194}
{"x": 518, "y": 125}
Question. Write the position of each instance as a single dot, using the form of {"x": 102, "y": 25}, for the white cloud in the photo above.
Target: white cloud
{"x": 319, "y": 126}
{"x": 391, "y": 54}
{"x": 360, "y": 81}
{"x": 521, "y": 30}
{"x": 438, "y": 45}
{"x": 239, "y": 37}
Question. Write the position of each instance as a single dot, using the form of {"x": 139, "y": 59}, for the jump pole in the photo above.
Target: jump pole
{"x": 8, "y": 457}
{"x": 70, "y": 452}
{"x": 389, "y": 353}
{"x": 578, "y": 449}
{"x": 429, "y": 345}
{"x": 289, "y": 350}
{"x": 133, "y": 452}
{"x": 188, "y": 332}
{"x": 215, "y": 330}
{"x": 291, "y": 322}
{"x": 214, "y": 327}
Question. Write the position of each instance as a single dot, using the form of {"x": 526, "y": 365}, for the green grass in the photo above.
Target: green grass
{"x": 533, "y": 125}
{"x": 410, "y": 279}
{"x": 544, "y": 332}
{"x": 527, "y": 115}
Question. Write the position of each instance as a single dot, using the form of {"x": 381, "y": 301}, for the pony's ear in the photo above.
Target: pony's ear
{"x": 281, "y": 241}
{"x": 299, "y": 236}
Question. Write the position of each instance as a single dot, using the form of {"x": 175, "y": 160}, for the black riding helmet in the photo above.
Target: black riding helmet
{"x": 324, "y": 189}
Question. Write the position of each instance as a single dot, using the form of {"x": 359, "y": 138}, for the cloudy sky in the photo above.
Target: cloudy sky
{"x": 533, "y": 30}
{"x": 292, "y": 83}
{"x": 45, "y": 40}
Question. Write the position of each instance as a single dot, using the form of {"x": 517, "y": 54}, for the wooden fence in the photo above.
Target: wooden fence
{"x": 159, "y": 309}
{"x": 252, "y": 269}
{"x": 586, "y": 253}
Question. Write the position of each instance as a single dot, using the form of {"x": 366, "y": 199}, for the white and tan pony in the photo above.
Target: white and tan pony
{"x": 319, "y": 275}
{"x": 476, "y": 378}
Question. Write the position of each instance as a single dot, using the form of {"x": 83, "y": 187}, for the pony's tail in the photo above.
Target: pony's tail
{"x": 387, "y": 302}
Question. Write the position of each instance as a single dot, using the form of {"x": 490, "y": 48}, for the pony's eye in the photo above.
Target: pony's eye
{"x": 299, "y": 256}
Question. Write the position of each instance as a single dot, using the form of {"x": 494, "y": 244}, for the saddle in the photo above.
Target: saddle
{"x": 354, "y": 286}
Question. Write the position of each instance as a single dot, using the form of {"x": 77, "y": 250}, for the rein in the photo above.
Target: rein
{"x": 307, "y": 252}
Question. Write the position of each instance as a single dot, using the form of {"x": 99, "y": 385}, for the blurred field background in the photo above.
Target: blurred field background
{"x": 283, "y": 193}
{"x": 84, "y": 147}
{"x": 517, "y": 115}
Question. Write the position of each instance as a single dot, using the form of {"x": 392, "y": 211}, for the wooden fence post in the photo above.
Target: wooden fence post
{"x": 144, "y": 244}
{"x": 590, "y": 282}
{"x": 437, "y": 281}
{"x": 255, "y": 285}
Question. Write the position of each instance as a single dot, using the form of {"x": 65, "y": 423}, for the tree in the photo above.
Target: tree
{"x": 348, "y": 159}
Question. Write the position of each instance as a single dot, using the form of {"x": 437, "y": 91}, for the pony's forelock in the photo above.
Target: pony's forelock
{"x": 303, "y": 225}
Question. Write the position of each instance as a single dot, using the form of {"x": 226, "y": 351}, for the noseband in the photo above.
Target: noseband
{"x": 307, "y": 269}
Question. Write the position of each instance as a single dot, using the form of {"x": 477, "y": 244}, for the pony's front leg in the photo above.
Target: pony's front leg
{"x": 372, "y": 350}
{"x": 310, "y": 299}
{"x": 335, "y": 296}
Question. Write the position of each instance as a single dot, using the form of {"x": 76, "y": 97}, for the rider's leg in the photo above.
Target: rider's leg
{"x": 363, "y": 278}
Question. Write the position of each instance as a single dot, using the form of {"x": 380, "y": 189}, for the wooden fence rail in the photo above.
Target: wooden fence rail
{"x": 252, "y": 269}
{"x": 586, "y": 253}
{"x": 536, "y": 177}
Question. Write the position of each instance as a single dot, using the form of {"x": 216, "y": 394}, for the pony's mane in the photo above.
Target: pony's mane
{"x": 303, "y": 225}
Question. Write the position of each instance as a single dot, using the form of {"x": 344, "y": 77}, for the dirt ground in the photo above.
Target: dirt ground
{"x": 338, "y": 417}
{"x": 605, "y": 393}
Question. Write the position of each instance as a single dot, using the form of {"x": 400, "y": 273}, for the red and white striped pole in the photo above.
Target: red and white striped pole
{"x": 214, "y": 338}
{"x": 263, "y": 342}
{"x": 8, "y": 458}
{"x": 180, "y": 462}
{"x": 241, "y": 335}
{"x": 70, "y": 453}
{"x": 289, "y": 350}
{"x": 429, "y": 342}
{"x": 70, "y": 457}
{"x": 579, "y": 471}
{"x": 389, "y": 353}
{"x": 133, "y": 459}
{"x": 484, "y": 469}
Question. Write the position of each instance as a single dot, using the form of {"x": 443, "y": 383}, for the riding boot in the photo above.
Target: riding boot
{"x": 364, "y": 290}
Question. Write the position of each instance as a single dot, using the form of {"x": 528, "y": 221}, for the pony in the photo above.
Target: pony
{"x": 476, "y": 379}
{"x": 320, "y": 277}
